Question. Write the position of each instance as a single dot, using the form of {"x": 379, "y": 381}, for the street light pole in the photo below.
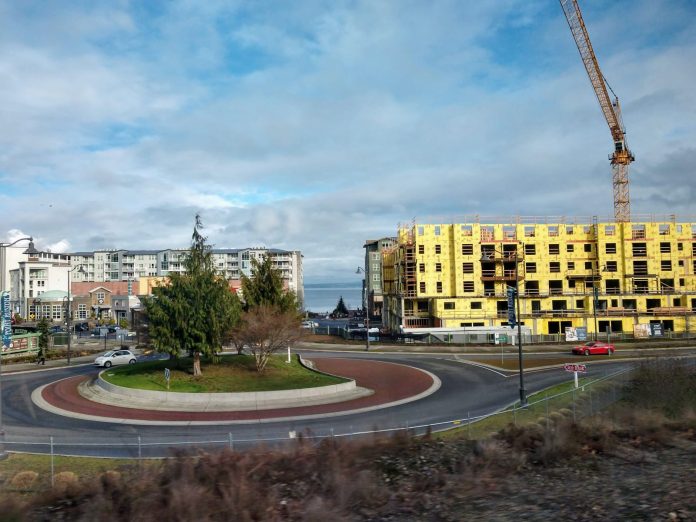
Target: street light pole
{"x": 6, "y": 345}
{"x": 523, "y": 392}
{"x": 595, "y": 296}
{"x": 69, "y": 309}
{"x": 518, "y": 319}
{"x": 367, "y": 309}
{"x": 595, "y": 291}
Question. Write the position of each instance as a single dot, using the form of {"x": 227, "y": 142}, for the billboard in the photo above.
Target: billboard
{"x": 641, "y": 331}
{"x": 6, "y": 314}
{"x": 573, "y": 333}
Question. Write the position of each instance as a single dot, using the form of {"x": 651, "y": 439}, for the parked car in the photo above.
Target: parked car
{"x": 114, "y": 358}
{"x": 82, "y": 327}
{"x": 100, "y": 331}
{"x": 310, "y": 324}
{"x": 594, "y": 348}
{"x": 56, "y": 329}
{"x": 355, "y": 325}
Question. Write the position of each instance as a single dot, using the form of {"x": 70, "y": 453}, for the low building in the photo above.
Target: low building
{"x": 372, "y": 284}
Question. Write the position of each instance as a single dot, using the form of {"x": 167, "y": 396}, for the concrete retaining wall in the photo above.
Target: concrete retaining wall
{"x": 243, "y": 399}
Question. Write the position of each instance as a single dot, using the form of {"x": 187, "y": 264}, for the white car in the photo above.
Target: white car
{"x": 310, "y": 324}
{"x": 115, "y": 357}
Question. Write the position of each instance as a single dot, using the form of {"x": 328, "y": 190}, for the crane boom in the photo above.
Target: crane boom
{"x": 622, "y": 156}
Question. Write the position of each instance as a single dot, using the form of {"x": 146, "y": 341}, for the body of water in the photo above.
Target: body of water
{"x": 323, "y": 297}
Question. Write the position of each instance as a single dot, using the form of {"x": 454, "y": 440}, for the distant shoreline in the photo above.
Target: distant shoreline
{"x": 322, "y": 298}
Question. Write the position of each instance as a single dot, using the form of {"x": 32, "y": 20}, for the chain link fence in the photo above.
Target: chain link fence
{"x": 477, "y": 338}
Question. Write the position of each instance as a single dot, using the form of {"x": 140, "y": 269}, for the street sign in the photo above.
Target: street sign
{"x": 512, "y": 320}
{"x": 167, "y": 375}
{"x": 575, "y": 368}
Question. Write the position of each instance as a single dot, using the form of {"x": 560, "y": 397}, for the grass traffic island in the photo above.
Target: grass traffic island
{"x": 232, "y": 374}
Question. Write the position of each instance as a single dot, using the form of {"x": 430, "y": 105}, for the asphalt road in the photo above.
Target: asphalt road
{"x": 466, "y": 390}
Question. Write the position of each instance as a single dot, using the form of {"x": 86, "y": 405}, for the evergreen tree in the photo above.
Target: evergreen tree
{"x": 195, "y": 312}
{"x": 265, "y": 288}
{"x": 42, "y": 327}
{"x": 341, "y": 309}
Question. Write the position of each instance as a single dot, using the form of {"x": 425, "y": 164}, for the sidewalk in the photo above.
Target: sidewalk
{"x": 375, "y": 347}
{"x": 9, "y": 367}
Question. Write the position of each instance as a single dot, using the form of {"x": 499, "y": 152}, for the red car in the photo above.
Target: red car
{"x": 594, "y": 348}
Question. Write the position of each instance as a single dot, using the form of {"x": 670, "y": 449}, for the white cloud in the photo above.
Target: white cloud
{"x": 315, "y": 126}
{"x": 14, "y": 235}
{"x": 60, "y": 246}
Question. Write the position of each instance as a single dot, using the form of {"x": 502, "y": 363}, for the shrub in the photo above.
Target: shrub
{"x": 66, "y": 483}
{"x": 24, "y": 480}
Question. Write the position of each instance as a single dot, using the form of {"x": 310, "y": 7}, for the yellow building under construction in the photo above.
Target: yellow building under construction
{"x": 603, "y": 276}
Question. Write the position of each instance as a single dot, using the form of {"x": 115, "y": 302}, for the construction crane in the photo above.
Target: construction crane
{"x": 622, "y": 157}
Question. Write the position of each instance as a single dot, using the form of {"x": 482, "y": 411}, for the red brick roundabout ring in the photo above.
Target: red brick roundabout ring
{"x": 391, "y": 383}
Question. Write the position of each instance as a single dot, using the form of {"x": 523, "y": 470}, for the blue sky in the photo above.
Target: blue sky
{"x": 314, "y": 125}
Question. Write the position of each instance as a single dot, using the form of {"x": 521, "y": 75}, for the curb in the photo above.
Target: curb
{"x": 37, "y": 398}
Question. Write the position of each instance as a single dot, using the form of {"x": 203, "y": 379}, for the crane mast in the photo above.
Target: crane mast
{"x": 621, "y": 157}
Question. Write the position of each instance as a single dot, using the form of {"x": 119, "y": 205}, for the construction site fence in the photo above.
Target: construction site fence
{"x": 479, "y": 338}
{"x": 592, "y": 397}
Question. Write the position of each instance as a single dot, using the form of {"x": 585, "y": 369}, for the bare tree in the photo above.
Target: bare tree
{"x": 264, "y": 330}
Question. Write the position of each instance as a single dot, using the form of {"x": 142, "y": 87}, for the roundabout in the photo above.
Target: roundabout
{"x": 44, "y": 412}
{"x": 376, "y": 384}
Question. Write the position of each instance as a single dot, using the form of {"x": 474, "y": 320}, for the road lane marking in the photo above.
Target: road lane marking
{"x": 483, "y": 366}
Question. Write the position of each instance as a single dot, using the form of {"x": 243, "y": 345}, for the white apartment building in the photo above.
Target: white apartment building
{"x": 41, "y": 272}
{"x": 10, "y": 256}
{"x": 116, "y": 265}
{"x": 124, "y": 265}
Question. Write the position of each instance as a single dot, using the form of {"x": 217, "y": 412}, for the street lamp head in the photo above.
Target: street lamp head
{"x": 30, "y": 249}
{"x": 360, "y": 269}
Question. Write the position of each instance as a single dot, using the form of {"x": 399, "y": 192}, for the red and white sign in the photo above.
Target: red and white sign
{"x": 571, "y": 367}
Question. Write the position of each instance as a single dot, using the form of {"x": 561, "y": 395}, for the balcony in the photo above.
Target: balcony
{"x": 493, "y": 275}
{"x": 499, "y": 257}
{"x": 416, "y": 313}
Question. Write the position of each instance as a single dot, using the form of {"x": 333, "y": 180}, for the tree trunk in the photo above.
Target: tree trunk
{"x": 261, "y": 360}
{"x": 197, "y": 364}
